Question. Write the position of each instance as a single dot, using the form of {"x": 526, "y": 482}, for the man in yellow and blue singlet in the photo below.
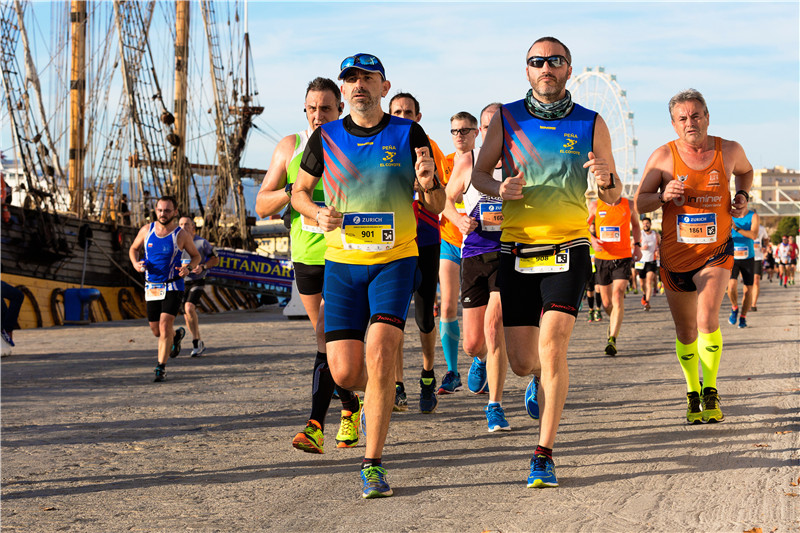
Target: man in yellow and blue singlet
{"x": 545, "y": 142}
{"x": 370, "y": 164}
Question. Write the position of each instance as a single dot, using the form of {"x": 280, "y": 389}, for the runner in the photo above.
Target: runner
{"x": 195, "y": 282}
{"x": 427, "y": 207}
{"x": 480, "y": 295}
{"x": 464, "y": 129}
{"x": 611, "y": 227}
{"x": 546, "y": 143}
{"x": 647, "y": 266}
{"x": 793, "y": 252}
{"x": 162, "y": 242}
{"x": 323, "y": 104}
{"x": 769, "y": 260}
{"x": 689, "y": 179}
{"x": 759, "y": 245}
{"x": 370, "y": 163}
{"x": 744, "y": 231}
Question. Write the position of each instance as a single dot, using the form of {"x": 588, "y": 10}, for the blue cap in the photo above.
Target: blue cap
{"x": 367, "y": 62}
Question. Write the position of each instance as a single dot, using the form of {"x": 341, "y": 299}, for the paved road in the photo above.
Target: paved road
{"x": 89, "y": 443}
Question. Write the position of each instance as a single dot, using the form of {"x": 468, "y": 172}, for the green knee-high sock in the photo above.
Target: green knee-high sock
{"x": 687, "y": 357}
{"x": 709, "y": 346}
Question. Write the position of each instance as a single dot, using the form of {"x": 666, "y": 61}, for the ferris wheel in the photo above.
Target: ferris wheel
{"x": 599, "y": 91}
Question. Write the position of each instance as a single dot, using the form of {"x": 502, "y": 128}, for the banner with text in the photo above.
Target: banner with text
{"x": 248, "y": 266}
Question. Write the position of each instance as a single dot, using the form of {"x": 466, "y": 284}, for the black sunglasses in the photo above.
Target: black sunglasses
{"x": 462, "y": 131}
{"x": 553, "y": 61}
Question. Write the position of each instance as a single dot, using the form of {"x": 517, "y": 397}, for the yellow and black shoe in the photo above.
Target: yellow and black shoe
{"x": 347, "y": 437}
{"x": 711, "y": 410}
{"x": 611, "y": 347}
{"x": 310, "y": 439}
{"x": 694, "y": 409}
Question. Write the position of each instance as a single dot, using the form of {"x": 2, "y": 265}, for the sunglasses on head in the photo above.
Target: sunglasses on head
{"x": 360, "y": 59}
{"x": 462, "y": 131}
{"x": 553, "y": 61}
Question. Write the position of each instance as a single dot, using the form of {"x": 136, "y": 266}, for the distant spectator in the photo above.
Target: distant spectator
{"x": 124, "y": 211}
{"x": 10, "y": 311}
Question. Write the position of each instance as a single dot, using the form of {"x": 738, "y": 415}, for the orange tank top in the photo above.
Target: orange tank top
{"x": 450, "y": 231}
{"x": 612, "y": 224}
{"x": 696, "y": 226}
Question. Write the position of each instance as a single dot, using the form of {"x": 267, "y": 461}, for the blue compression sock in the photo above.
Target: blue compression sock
{"x": 450, "y": 335}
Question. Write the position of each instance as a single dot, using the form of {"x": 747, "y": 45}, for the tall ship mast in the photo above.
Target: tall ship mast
{"x": 131, "y": 126}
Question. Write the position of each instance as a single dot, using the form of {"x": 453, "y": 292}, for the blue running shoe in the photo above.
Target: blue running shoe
{"x": 732, "y": 318}
{"x": 532, "y": 398}
{"x": 543, "y": 472}
{"x": 496, "y": 418}
{"x": 476, "y": 380}
{"x": 176, "y": 342}
{"x": 742, "y": 322}
{"x": 427, "y": 395}
{"x": 375, "y": 484}
{"x": 451, "y": 382}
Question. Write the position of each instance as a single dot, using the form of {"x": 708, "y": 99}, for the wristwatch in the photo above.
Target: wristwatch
{"x": 612, "y": 186}
{"x": 288, "y": 189}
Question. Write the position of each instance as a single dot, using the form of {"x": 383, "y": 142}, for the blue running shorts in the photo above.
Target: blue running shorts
{"x": 358, "y": 295}
{"x": 450, "y": 252}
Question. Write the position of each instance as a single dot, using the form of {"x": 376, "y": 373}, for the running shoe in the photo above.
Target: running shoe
{"x": 733, "y": 316}
{"x": 176, "y": 342}
{"x": 711, "y": 409}
{"x": 611, "y": 347}
{"x": 427, "y": 395}
{"x": 742, "y": 322}
{"x": 451, "y": 382}
{"x": 310, "y": 439}
{"x": 532, "y": 398}
{"x": 400, "y": 399}
{"x": 375, "y": 484}
{"x": 476, "y": 380}
{"x": 598, "y": 315}
{"x": 591, "y": 316}
{"x": 7, "y": 337}
{"x": 694, "y": 410}
{"x": 347, "y": 437}
{"x": 161, "y": 374}
{"x": 199, "y": 349}
{"x": 496, "y": 418}
{"x": 754, "y": 308}
{"x": 543, "y": 472}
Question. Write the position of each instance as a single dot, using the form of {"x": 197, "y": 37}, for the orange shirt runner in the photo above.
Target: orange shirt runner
{"x": 450, "y": 231}
{"x": 613, "y": 226}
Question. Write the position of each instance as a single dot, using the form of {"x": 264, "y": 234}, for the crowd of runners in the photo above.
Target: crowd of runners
{"x": 512, "y": 231}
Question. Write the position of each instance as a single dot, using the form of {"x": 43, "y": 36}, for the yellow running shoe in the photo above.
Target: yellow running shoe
{"x": 310, "y": 439}
{"x": 711, "y": 409}
{"x": 348, "y": 429}
{"x": 694, "y": 411}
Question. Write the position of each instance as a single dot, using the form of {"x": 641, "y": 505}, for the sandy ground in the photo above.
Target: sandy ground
{"x": 89, "y": 443}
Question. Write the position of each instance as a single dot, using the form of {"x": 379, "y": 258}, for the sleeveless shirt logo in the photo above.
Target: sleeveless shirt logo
{"x": 713, "y": 178}
{"x": 388, "y": 159}
{"x": 571, "y": 140}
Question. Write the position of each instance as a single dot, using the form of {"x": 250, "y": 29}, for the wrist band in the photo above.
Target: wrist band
{"x": 661, "y": 198}
{"x": 613, "y": 185}
{"x": 743, "y": 193}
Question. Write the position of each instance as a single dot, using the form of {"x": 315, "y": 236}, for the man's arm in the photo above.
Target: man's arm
{"x": 658, "y": 170}
{"x": 186, "y": 243}
{"x": 272, "y": 198}
{"x": 434, "y": 201}
{"x": 751, "y": 233}
{"x": 133, "y": 251}
{"x": 483, "y": 172}
{"x": 454, "y": 192}
{"x": 601, "y": 164}
{"x": 742, "y": 172}
{"x": 636, "y": 231}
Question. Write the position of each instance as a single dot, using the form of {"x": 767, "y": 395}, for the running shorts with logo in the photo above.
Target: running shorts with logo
{"x": 647, "y": 266}
{"x": 683, "y": 282}
{"x": 551, "y": 218}
{"x": 609, "y": 270}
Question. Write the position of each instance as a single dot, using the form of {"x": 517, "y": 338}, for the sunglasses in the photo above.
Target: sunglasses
{"x": 462, "y": 131}
{"x": 553, "y": 61}
{"x": 360, "y": 59}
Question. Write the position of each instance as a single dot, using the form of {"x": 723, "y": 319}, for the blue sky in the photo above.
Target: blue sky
{"x": 458, "y": 56}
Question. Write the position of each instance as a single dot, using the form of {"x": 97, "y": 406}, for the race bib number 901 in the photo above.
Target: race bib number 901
{"x": 368, "y": 232}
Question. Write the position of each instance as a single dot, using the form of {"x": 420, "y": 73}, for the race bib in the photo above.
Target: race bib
{"x": 368, "y": 232}
{"x": 639, "y": 265}
{"x": 491, "y": 216}
{"x": 155, "y": 291}
{"x": 741, "y": 252}
{"x": 309, "y": 224}
{"x": 543, "y": 265}
{"x": 609, "y": 234}
{"x": 699, "y": 228}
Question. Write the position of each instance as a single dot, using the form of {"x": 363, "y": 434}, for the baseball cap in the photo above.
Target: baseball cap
{"x": 367, "y": 62}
